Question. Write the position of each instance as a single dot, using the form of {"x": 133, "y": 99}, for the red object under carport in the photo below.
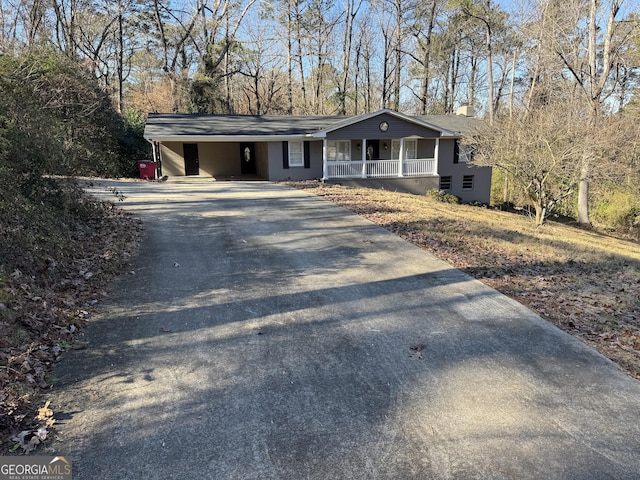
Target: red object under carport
{"x": 147, "y": 170}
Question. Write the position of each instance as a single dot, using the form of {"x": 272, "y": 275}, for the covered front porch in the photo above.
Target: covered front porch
{"x": 406, "y": 157}
{"x": 383, "y": 144}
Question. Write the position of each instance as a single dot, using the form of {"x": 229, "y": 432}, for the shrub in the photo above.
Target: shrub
{"x": 56, "y": 119}
{"x": 618, "y": 209}
{"x": 442, "y": 196}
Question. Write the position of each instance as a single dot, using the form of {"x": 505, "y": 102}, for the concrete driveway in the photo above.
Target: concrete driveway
{"x": 268, "y": 334}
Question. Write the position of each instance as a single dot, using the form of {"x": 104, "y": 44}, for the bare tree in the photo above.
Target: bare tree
{"x": 22, "y": 24}
{"x": 66, "y": 14}
{"x": 352, "y": 7}
{"x": 538, "y": 151}
{"x": 491, "y": 18}
{"x": 289, "y": 40}
{"x": 175, "y": 30}
{"x": 364, "y": 58}
{"x": 593, "y": 77}
{"x": 423, "y": 29}
{"x": 262, "y": 70}
{"x": 318, "y": 25}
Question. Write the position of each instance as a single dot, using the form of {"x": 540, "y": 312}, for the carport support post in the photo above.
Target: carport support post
{"x": 156, "y": 158}
{"x": 364, "y": 158}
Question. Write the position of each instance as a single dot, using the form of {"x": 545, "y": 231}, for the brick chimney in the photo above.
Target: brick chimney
{"x": 466, "y": 111}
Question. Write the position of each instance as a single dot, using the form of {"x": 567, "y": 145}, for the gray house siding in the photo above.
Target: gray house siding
{"x": 370, "y": 129}
{"x": 277, "y": 172}
{"x": 426, "y": 148}
{"x": 481, "y": 189}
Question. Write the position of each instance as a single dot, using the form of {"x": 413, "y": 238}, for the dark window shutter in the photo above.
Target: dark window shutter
{"x": 285, "y": 154}
{"x": 307, "y": 155}
{"x": 456, "y": 151}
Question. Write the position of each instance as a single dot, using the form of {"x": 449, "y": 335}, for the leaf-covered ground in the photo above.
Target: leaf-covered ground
{"x": 587, "y": 283}
{"x": 44, "y": 304}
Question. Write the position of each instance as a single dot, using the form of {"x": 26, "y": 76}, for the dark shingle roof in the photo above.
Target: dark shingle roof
{"x": 161, "y": 125}
{"x": 165, "y": 125}
{"x": 454, "y": 123}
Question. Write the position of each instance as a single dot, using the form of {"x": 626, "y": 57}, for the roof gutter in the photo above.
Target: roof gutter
{"x": 223, "y": 138}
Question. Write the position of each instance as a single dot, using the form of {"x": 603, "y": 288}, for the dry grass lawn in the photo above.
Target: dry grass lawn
{"x": 587, "y": 283}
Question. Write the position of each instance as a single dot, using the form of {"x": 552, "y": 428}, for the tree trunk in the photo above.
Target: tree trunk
{"x": 298, "y": 41}
{"x": 357, "y": 78}
{"x": 454, "y": 80}
{"x": 66, "y": 26}
{"x": 490, "y": 99}
{"x": 368, "y": 102}
{"x": 513, "y": 82}
{"x": 398, "y": 54}
{"x": 424, "y": 100}
{"x": 583, "y": 202}
{"x": 583, "y": 186}
{"x": 36, "y": 15}
{"x": 471, "y": 99}
{"x": 537, "y": 66}
{"x": 289, "y": 61}
{"x": 540, "y": 215}
{"x": 120, "y": 57}
{"x": 351, "y": 12}
{"x": 505, "y": 189}
{"x": 385, "y": 71}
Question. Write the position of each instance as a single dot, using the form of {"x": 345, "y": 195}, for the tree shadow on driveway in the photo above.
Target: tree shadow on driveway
{"x": 280, "y": 347}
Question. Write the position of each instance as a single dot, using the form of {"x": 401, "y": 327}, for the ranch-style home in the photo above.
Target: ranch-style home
{"x": 385, "y": 149}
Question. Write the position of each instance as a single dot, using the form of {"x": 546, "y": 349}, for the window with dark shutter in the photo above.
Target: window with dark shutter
{"x": 456, "y": 151}
{"x": 307, "y": 155}
{"x": 285, "y": 154}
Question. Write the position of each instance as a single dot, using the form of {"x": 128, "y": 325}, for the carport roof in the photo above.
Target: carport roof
{"x": 168, "y": 125}
{"x": 193, "y": 127}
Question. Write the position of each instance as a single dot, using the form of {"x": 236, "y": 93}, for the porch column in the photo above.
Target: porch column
{"x": 157, "y": 158}
{"x": 325, "y": 167}
{"x": 436, "y": 157}
{"x": 401, "y": 159}
{"x": 364, "y": 158}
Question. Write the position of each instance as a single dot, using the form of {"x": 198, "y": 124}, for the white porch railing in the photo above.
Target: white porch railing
{"x": 344, "y": 169}
{"x": 382, "y": 168}
{"x": 419, "y": 167}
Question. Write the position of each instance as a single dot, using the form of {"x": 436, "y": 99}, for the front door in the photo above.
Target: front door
{"x": 191, "y": 162}
{"x": 248, "y": 158}
{"x": 373, "y": 149}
